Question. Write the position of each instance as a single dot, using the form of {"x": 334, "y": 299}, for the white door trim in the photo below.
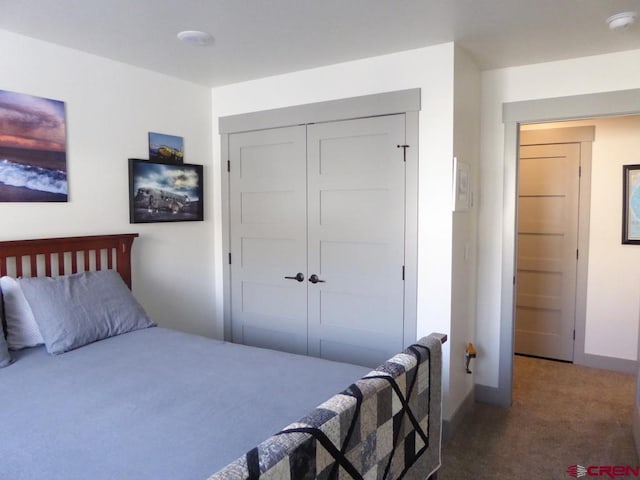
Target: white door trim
{"x": 404, "y": 101}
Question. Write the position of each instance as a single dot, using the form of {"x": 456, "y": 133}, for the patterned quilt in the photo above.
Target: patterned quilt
{"x": 386, "y": 426}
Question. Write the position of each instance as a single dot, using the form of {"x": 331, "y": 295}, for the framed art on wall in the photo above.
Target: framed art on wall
{"x": 33, "y": 149}
{"x": 164, "y": 192}
{"x": 166, "y": 148}
{"x": 631, "y": 204}
{"x": 461, "y": 186}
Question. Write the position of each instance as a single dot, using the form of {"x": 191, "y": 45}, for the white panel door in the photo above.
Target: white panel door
{"x": 268, "y": 222}
{"x": 548, "y": 202}
{"x": 356, "y": 205}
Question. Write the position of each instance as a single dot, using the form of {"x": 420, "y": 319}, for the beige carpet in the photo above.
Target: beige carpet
{"x": 562, "y": 415}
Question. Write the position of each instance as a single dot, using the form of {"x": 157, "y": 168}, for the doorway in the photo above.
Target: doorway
{"x": 320, "y": 249}
{"x": 617, "y": 103}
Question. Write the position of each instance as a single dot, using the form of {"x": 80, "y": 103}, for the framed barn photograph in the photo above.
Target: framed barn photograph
{"x": 631, "y": 204}
{"x": 164, "y": 192}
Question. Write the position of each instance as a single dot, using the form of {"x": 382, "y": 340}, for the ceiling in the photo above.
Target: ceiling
{"x": 259, "y": 38}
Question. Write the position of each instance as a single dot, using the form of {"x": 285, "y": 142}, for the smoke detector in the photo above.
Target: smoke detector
{"x": 195, "y": 37}
{"x": 621, "y": 20}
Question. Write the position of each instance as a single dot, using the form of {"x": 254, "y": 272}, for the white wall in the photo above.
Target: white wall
{"x": 466, "y": 146}
{"x": 612, "y": 306}
{"x": 430, "y": 69}
{"x": 601, "y": 73}
{"x": 110, "y": 109}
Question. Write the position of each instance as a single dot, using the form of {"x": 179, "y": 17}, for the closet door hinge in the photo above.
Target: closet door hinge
{"x": 228, "y": 165}
{"x": 229, "y": 258}
{"x": 403, "y": 273}
{"x": 404, "y": 151}
{"x": 574, "y": 334}
{"x": 580, "y": 171}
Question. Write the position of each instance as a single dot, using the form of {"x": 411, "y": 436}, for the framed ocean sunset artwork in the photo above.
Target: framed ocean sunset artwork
{"x": 33, "y": 149}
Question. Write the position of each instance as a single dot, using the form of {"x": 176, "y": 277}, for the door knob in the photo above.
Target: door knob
{"x": 299, "y": 277}
{"x": 314, "y": 279}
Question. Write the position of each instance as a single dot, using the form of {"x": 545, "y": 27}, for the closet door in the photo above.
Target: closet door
{"x": 268, "y": 222}
{"x": 356, "y": 208}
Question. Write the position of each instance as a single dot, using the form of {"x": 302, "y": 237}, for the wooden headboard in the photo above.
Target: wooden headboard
{"x": 67, "y": 255}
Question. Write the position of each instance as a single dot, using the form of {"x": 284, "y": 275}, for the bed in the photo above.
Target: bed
{"x": 118, "y": 400}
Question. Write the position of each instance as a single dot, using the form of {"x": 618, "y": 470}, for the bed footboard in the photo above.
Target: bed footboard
{"x": 386, "y": 425}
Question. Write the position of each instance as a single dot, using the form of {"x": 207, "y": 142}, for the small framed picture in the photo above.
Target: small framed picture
{"x": 461, "y": 186}
{"x": 166, "y": 148}
{"x": 165, "y": 192}
{"x": 631, "y": 204}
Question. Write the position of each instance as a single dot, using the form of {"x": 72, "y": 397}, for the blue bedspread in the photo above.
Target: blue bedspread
{"x": 152, "y": 404}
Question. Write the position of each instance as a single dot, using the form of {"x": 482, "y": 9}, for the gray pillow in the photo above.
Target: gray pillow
{"x": 5, "y": 357}
{"x": 22, "y": 329}
{"x": 75, "y": 310}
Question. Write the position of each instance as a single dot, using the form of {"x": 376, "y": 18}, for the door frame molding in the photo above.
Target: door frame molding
{"x": 585, "y": 136}
{"x": 407, "y": 102}
{"x": 576, "y": 107}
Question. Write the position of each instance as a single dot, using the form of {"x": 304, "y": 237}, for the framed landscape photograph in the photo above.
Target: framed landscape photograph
{"x": 166, "y": 148}
{"x": 164, "y": 192}
{"x": 33, "y": 149}
{"x": 631, "y": 204}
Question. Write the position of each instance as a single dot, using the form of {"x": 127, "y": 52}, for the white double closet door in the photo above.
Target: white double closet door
{"x": 317, "y": 237}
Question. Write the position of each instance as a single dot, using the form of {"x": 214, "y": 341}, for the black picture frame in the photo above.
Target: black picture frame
{"x": 631, "y": 204}
{"x": 165, "y": 192}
